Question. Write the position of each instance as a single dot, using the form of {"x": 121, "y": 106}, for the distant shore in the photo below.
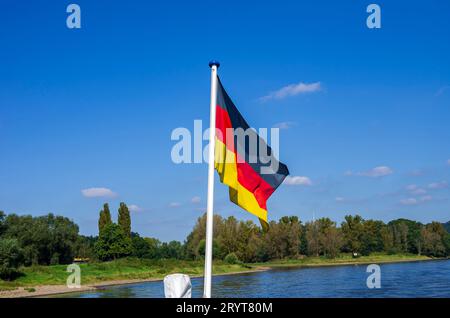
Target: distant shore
{"x": 345, "y": 260}
{"x": 37, "y": 284}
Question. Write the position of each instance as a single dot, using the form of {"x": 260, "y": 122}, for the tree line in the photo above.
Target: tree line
{"x": 117, "y": 240}
{"x": 27, "y": 240}
{"x": 47, "y": 240}
{"x": 290, "y": 238}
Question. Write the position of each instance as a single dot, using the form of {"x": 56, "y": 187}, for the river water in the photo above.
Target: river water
{"x": 412, "y": 279}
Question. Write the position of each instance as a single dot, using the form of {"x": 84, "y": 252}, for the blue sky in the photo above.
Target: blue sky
{"x": 95, "y": 107}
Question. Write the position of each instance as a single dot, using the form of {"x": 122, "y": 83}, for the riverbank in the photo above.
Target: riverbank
{"x": 345, "y": 259}
{"x": 40, "y": 281}
{"x": 47, "y": 280}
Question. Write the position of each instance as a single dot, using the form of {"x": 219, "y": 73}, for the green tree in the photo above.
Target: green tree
{"x": 113, "y": 243}
{"x": 124, "y": 219}
{"x": 281, "y": 240}
{"x": 330, "y": 238}
{"x": 434, "y": 238}
{"x": 312, "y": 238}
{"x": 353, "y": 231}
{"x": 155, "y": 247}
{"x": 231, "y": 259}
{"x": 84, "y": 247}
{"x": 173, "y": 249}
{"x": 140, "y": 247}
{"x": 447, "y": 226}
{"x": 145, "y": 247}
{"x": 290, "y": 228}
{"x": 248, "y": 241}
{"x": 23, "y": 228}
{"x": 105, "y": 218}
{"x": 44, "y": 239}
{"x": 230, "y": 232}
{"x": 198, "y": 234}
{"x": 11, "y": 258}
{"x": 407, "y": 236}
{"x": 201, "y": 248}
{"x": 432, "y": 244}
{"x": 447, "y": 244}
{"x": 388, "y": 239}
{"x": 2, "y": 222}
{"x": 371, "y": 239}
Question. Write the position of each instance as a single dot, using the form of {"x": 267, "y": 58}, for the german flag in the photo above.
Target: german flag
{"x": 243, "y": 160}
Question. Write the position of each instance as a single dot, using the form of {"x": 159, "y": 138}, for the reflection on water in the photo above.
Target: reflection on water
{"x": 415, "y": 279}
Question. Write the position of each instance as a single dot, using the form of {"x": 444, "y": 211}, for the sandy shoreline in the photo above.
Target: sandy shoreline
{"x": 48, "y": 290}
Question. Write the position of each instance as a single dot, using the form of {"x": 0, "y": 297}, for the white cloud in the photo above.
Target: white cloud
{"x": 441, "y": 90}
{"x": 98, "y": 193}
{"x": 292, "y": 90}
{"x": 419, "y": 191}
{"x": 414, "y": 189}
{"x": 174, "y": 204}
{"x": 409, "y": 201}
{"x": 438, "y": 185}
{"x": 134, "y": 208}
{"x": 340, "y": 199}
{"x": 284, "y": 125}
{"x": 297, "y": 180}
{"x": 448, "y": 162}
{"x": 426, "y": 198}
{"x": 195, "y": 200}
{"x": 416, "y": 201}
{"x": 377, "y": 172}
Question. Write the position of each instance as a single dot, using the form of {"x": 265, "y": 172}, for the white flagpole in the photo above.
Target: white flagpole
{"x": 210, "y": 200}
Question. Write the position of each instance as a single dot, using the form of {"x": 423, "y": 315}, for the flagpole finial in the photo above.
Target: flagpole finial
{"x": 214, "y": 62}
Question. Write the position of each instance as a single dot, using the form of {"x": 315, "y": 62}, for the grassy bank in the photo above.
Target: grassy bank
{"x": 140, "y": 269}
{"x": 344, "y": 259}
{"x": 122, "y": 269}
